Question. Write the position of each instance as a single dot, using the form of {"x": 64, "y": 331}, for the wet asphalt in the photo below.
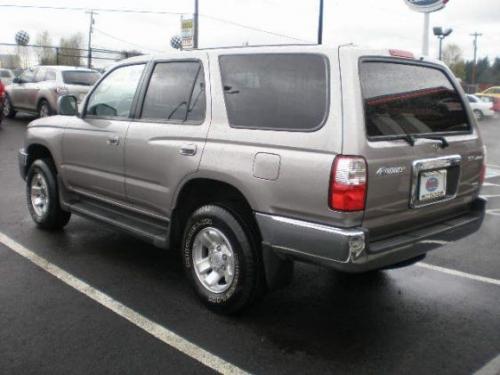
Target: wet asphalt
{"x": 411, "y": 320}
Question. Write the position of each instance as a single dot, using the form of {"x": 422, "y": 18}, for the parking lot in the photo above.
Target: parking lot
{"x": 92, "y": 300}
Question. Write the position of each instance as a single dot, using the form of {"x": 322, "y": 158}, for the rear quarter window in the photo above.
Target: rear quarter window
{"x": 275, "y": 91}
{"x": 403, "y": 98}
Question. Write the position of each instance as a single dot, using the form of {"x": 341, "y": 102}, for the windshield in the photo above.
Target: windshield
{"x": 405, "y": 99}
{"x": 80, "y": 78}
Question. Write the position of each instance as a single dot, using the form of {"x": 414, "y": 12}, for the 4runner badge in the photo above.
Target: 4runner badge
{"x": 390, "y": 171}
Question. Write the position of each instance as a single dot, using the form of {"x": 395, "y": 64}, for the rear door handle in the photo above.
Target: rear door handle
{"x": 114, "y": 141}
{"x": 188, "y": 149}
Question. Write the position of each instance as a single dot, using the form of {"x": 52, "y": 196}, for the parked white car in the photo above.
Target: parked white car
{"x": 481, "y": 108}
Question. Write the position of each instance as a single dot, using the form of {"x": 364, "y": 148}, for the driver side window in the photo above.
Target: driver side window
{"x": 114, "y": 95}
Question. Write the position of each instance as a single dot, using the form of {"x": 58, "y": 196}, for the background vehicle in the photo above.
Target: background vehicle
{"x": 6, "y": 75}
{"x": 248, "y": 159}
{"x": 2, "y": 98}
{"x": 494, "y": 94}
{"x": 481, "y": 108}
{"x": 37, "y": 90}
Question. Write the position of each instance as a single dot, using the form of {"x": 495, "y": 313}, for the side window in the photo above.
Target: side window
{"x": 50, "y": 76}
{"x": 27, "y": 76}
{"x": 39, "y": 75}
{"x": 115, "y": 94}
{"x": 176, "y": 92}
{"x": 275, "y": 91}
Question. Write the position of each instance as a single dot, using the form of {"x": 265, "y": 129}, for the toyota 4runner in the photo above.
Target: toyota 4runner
{"x": 248, "y": 159}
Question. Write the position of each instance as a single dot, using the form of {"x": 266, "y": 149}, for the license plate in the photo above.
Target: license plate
{"x": 432, "y": 185}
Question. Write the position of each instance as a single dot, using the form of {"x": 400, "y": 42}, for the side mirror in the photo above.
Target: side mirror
{"x": 67, "y": 105}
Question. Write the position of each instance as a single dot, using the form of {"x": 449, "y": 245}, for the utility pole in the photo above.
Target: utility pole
{"x": 474, "y": 67}
{"x": 195, "y": 22}
{"x": 91, "y": 30}
{"x": 320, "y": 23}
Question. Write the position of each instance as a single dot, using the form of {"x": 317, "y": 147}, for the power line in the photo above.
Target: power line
{"x": 125, "y": 41}
{"x": 115, "y": 10}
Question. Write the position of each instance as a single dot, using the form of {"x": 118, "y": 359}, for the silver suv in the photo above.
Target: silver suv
{"x": 37, "y": 90}
{"x": 249, "y": 159}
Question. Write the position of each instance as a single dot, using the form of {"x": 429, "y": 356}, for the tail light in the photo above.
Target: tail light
{"x": 2, "y": 90}
{"x": 348, "y": 184}
{"x": 61, "y": 91}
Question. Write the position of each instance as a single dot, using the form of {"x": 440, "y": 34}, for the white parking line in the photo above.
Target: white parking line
{"x": 470, "y": 276}
{"x": 161, "y": 333}
{"x": 491, "y": 368}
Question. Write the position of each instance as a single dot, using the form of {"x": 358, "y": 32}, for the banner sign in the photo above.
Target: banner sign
{"x": 187, "y": 31}
{"x": 426, "y": 6}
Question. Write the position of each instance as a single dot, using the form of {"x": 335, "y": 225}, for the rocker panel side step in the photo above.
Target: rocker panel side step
{"x": 152, "y": 230}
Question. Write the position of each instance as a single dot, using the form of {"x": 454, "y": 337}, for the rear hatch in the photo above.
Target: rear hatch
{"x": 413, "y": 126}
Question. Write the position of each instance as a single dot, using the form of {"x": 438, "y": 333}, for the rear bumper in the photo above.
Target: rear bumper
{"x": 350, "y": 250}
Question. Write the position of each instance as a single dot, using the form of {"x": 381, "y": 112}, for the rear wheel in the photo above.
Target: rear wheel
{"x": 43, "y": 196}
{"x": 44, "y": 109}
{"x": 221, "y": 259}
{"x": 8, "y": 110}
{"x": 478, "y": 114}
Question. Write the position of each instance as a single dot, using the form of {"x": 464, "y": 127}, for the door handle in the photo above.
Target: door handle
{"x": 114, "y": 141}
{"x": 188, "y": 149}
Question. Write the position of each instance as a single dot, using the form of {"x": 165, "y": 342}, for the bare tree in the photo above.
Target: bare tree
{"x": 70, "y": 50}
{"x": 453, "y": 57}
{"x": 46, "y": 55}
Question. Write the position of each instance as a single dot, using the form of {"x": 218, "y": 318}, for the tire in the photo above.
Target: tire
{"x": 222, "y": 241}
{"x": 479, "y": 114}
{"x": 8, "y": 110}
{"x": 43, "y": 197}
{"x": 44, "y": 109}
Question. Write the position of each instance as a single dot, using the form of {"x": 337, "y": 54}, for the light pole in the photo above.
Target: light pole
{"x": 474, "y": 67}
{"x": 320, "y": 23}
{"x": 441, "y": 34}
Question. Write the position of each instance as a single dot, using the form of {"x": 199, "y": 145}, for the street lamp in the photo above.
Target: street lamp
{"x": 441, "y": 34}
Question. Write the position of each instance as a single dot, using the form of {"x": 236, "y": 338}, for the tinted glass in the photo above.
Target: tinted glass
{"x": 39, "y": 75}
{"x": 176, "y": 92}
{"x": 80, "y": 78}
{"x": 27, "y": 76}
{"x": 5, "y": 74}
{"x": 471, "y": 99}
{"x": 410, "y": 99}
{"x": 115, "y": 94}
{"x": 275, "y": 91}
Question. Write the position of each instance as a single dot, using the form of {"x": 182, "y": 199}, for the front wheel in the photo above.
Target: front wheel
{"x": 221, "y": 259}
{"x": 478, "y": 114}
{"x": 44, "y": 109}
{"x": 43, "y": 197}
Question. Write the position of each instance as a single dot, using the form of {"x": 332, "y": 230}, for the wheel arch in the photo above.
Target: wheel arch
{"x": 37, "y": 151}
{"x": 188, "y": 198}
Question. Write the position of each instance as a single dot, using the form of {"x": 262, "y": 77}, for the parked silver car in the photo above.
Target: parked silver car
{"x": 37, "y": 90}
{"x": 248, "y": 159}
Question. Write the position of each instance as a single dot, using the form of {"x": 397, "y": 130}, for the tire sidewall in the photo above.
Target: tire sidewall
{"x": 242, "y": 285}
{"x": 40, "y": 166}
{"x": 479, "y": 114}
{"x": 11, "y": 113}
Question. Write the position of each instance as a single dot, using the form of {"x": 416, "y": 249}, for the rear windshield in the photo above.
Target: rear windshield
{"x": 410, "y": 99}
{"x": 5, "y": 74}
{"x": 275, "y": 91}
{"x": 80, "y": 78}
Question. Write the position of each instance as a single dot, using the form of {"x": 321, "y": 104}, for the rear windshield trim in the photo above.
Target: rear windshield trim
{"x": 421, "y": 63}
{"x": 292, "y": 130}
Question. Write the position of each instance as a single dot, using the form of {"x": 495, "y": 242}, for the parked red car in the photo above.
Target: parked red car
{"x": 2, "y": 97}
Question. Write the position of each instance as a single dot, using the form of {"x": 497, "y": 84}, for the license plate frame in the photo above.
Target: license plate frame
{"x": 432, "y": 185}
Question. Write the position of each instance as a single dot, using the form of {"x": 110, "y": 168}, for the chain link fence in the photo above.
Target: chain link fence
{"x": 13, "y": 56}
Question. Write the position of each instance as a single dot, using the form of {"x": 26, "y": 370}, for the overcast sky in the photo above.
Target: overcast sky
{"x": 374, "y": 23}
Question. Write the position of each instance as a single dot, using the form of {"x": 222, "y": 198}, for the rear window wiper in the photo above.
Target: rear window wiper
{"x": 444, "y": 142}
